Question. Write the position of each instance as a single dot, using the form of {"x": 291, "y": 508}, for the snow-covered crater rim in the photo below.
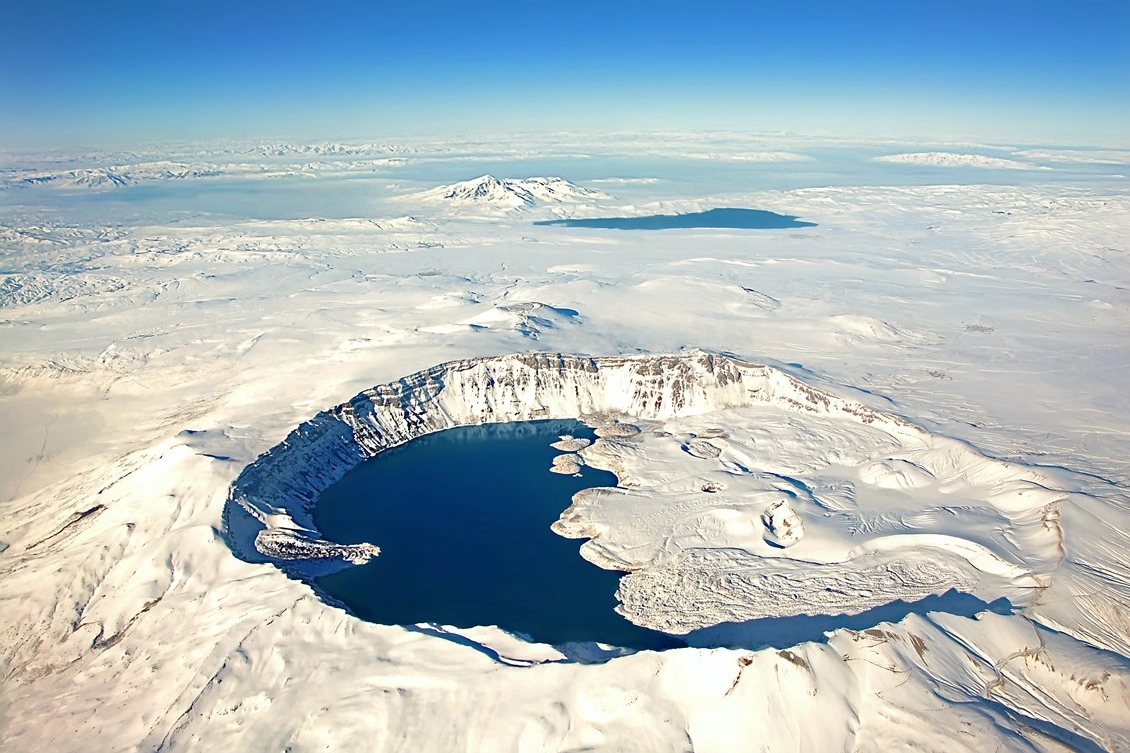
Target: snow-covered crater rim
{"x": 268, "y": 512}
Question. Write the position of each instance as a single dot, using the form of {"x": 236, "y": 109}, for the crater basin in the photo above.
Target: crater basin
{"x": 463, "y": 519}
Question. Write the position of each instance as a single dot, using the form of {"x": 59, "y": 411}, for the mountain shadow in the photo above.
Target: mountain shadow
{"x": 782, "y": 632}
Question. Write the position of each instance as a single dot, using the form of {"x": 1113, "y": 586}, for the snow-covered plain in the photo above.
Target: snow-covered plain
{"x": 874, "y": 471}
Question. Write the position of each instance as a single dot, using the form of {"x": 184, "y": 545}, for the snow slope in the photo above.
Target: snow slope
{"x": 962, "y": 581}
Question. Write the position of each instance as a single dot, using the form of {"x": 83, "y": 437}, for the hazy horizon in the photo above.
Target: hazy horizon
{"x": 122, "y": 72}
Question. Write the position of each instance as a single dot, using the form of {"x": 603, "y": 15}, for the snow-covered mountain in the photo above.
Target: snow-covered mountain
{"x": 122, "y": 174}
{"x": 954, "y": 159}
{"x": 112, "y": 176}
{"x": 489, "y": 192}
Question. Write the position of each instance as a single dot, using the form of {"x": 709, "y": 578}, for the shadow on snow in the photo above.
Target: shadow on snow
{"x": 783, "y": 632}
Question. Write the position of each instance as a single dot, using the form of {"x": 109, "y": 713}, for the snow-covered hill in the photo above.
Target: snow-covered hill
{"x": 954, "y": 159}
{"x": 489, "y": 192}
{"x": 110, "y": 177}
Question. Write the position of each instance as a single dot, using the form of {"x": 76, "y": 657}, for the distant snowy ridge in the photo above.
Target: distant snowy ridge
{"x": 23, "y": 289}
{"x": 489, "y": 192}
{"x": 754, "y": 157}
{"x": 1079, "y": 156}
{"x": 285, "y": 149}
{"x": 952, "y": 159}
{"x": 109, "y": 177}
{"x": 119, "y": 175}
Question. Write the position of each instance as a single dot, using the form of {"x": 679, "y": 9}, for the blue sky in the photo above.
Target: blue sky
{"x": 121, "y": 70}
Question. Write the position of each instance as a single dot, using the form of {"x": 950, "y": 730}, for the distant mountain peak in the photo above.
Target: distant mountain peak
{"x": 488, "y": 191}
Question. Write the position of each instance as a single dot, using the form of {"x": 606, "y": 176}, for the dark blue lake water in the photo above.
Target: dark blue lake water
{"x": 723, "y": 218}
{"x": 462, "y": 518}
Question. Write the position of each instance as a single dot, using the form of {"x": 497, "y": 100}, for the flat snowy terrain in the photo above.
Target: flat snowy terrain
{"x": 873, "y": 471}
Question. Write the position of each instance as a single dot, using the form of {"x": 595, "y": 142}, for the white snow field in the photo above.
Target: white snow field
{"x": 873, "y": 472}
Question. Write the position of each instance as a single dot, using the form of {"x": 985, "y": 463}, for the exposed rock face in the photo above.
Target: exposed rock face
{"x": 783, "y": 527}
{"x": 567, "y": 464}
{"x": 268, "y": 512}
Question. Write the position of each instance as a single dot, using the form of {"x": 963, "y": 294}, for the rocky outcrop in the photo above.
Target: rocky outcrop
{"x": 783, "y": 527}
{"x": 268, "y": 514}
